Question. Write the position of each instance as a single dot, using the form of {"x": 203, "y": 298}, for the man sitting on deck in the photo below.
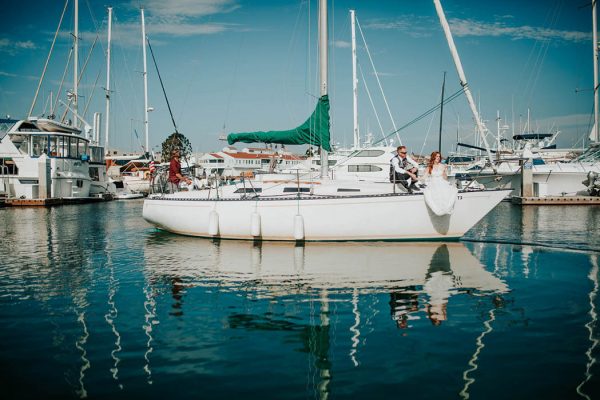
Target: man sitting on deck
{"x": 404, "y": 170}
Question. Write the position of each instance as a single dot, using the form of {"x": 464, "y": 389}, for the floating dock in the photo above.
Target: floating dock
{"x": 556, "y": 200}
{"x": 53, "y": 201}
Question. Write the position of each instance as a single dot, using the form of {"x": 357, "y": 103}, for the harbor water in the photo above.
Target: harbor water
{"x": 96, "y": 303}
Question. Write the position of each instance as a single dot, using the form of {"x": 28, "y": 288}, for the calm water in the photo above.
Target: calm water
{"x": 96, "y": 303}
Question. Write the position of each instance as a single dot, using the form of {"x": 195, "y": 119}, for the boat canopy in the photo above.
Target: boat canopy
{"x": 532, "y": 136}
{"x": 315, "y": 131}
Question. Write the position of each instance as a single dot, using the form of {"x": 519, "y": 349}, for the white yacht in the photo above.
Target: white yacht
{"x": 43, "y": 158}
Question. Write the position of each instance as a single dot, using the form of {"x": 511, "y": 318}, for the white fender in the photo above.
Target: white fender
{"x": 213, "y": 223}
{"x": 298, "y": 227}
{"x": 255, "y": 224}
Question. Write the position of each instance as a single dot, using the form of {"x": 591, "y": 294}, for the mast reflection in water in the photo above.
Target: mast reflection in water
{"x": 98, "y": 304}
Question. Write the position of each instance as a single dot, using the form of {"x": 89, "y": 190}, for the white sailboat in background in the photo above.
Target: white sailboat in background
{"x": 307, "y": 208}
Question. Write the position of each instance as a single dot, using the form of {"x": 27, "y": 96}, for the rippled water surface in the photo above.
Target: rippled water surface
{"x": 96, "y": 303}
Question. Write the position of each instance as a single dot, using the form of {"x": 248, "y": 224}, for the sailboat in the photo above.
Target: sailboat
{"x": 288, "y": 207}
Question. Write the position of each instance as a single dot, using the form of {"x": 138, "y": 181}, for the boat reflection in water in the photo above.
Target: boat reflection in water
{"x": 419, "y": 278}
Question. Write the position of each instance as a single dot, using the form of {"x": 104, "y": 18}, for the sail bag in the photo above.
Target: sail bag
{"x": 315, "y": 131}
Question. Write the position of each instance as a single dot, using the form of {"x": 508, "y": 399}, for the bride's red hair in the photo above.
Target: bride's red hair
{"x": 432, "y": 160}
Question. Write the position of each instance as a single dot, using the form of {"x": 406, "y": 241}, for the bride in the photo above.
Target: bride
{"x": 439, "y": 194}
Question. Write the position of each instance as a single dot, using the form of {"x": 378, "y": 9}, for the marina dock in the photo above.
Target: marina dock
{"x": 51, "y": 202}
{"x": 556, "y": 200}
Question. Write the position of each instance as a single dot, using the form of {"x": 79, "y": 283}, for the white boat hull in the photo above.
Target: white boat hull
{"x": 379, "y": 217}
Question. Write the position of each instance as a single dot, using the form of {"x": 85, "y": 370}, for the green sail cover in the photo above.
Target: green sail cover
{"x": 314, "y": 130}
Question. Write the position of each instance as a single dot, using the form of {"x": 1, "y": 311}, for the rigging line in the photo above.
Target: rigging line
{"x": 541, "y": 54}
{"x": 428, "y": 132}
{"x": 289, "y": 52}
{"x": 426, "y": 113}
{"x": 47, "y": 61}
{"x": 62, "y": 81}
{"x": 384, "y": 138}
{"x": 89, "y": 99}
{"x": 115, "y": 78}
{"x": 85, "y": 64}
{"x": 378, "y": 81}
{"x": 547, "y": 46}
{"x": 161, "y": 85}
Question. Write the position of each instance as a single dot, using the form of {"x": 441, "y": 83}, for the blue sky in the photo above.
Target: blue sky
{"x": 241, "y": 65}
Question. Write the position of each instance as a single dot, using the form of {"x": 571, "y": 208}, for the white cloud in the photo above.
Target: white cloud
{"x": 188, "y": 8}
{"x": 12, "y": 46}
{"x": 342, "y": 44}
{"x": 384, "y": 74}
{"x": 467, "y": 27}
{"x": 8, "y": 74}
{"x": 417, "y": 26}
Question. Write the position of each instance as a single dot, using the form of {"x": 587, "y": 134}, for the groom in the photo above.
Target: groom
{"x": 404, "y": 170}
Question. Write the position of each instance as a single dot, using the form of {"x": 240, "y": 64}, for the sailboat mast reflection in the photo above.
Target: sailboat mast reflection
{"x": 593, "y": 276}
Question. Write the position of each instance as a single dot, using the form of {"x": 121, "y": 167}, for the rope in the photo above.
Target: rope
{"x": 161, "y": 85}
{"x": 426, "y": 113}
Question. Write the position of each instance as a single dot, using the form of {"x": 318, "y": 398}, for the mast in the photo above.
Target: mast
{"x": 461, "y": 75}
{"x": 595, "y": 137}
{"x": 498, "y": 132}
{"x": 323, "y": 72}
{"x": 441, "y": 114}
{"x": 146, "y": 149}
{"x": 354, "y": 82}
{"x": 107, "y": 81}
{"x": 75, "y": 64}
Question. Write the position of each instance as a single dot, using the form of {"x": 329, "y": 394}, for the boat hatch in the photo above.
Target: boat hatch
{"x": 296, "y": 190}
{"x": 248, "y": 190}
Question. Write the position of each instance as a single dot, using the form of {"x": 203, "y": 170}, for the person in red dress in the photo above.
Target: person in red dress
{"x": 175, "y": 176}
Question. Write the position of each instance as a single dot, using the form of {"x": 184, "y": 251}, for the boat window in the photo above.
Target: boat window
{"x": 330, "y": 162}
{"x": 21, "y": 142}
{"x": 95, "y": 174}
{"x": 73, "y": 148}
{"x": 63, "y": 146}
{"x": 28, "y": 127}
{"x": 363, "y": 168}
{"x": 369, "y": 153}
{"x": 348, "y": 190}
{"x": 39, "y": 145}
{"x": 296, "y": 190}
{"x": 248, "y": 190}
{"x": 96, "y": 154}
{"x": 8, "y": 167}
{"x": 82, "y": 148}
{"x": 53, "y": 146}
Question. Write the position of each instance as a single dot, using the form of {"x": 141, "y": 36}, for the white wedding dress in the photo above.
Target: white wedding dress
{"x": 439, "y": 194}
